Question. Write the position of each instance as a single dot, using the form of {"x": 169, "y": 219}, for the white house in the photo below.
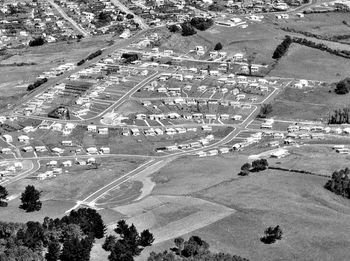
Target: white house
{"x": 23, "y": 138}
{"x": 7, "y": 138}
{"x": 91, "y": 128}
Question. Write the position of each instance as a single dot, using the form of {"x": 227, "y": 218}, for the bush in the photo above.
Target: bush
{"x": 272, "y": 234}
{"x": 129, "y": 16}
{"x": 130, "y": 57}
{"x": 81, "y": 62}
{"x": 343, "y": 87}
{"x": 265, "y": 110}
{"x": 218, "y": 47}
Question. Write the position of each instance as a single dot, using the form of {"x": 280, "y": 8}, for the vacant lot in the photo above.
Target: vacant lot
{"x": 308, "y": 103}
{"x": 310, "y": 216}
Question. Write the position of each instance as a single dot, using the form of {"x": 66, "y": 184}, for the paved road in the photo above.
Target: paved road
{"x": 70, "y": 20}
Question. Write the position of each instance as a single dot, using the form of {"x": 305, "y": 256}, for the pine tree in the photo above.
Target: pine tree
{"x": 30, "y": 199}
{"x": 3, "y": 196}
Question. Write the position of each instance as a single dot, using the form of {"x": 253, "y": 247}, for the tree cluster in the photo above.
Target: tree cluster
{"x": 282, "y": 48}
{"x": 90, "y": 57}
{"x": 130, "y": 57}
{"x": 343, "y": 87}
{"x": 265, "y": 110}
{"x": 36, "y": 84}
{"x": 66, "y": 239}
{"x": 339, "y": 183}
{"x": 194, "y": 249}
{"x": 256, "y": 166}
{"x": 201, "y": 23}
{"x": 128, "y": 244}
{"x": 340, "y": 116}
{"x": 187, "y": 29}
{"x": 334, "y": 38}
{"x": 272, "y": 234}
{"x": 37, "y": 41}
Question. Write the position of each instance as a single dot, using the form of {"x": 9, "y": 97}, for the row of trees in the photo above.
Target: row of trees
{"x": 334, "y": 38}
{"x": 340, "y": 183}
{"x": 322, "y": 47}
{"x": 36, "y": 84}
{"x": 340, "y": 116}
{"x": 188, "y": 28}
{"x": 67, "y": 239}
{"x": 282, "y": 48}
{"x": 256, "y": 166}
{"x": 194, "y": 249}
{"x": 90, "y": 57}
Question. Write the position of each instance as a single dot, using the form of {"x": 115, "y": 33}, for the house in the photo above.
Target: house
{"x": 92, "y": 150}
{"x": 126, "y": 132}
{"x": 290, "y": 141}
{"x": 57, "y": 126}
{"x": 40, "y": 148}
{"x": 52, "y": 163}
{"x": 201, "y": 154}
{"x": 28, "y": 149}
{"x": 28, "y": 129}
{"x": 207, "y": 128}
{"x": 135, "y": 131}
{"x": 67, "y": 143}
{"x": 57, "y": 150}
{"x": 280, "y": 153}
{"x": 91, "y": 128}
{"x": 213, "y": 152}
{"x": 274, "y": 143}
{"x": 266, "y": 126}
{"x": 293, "y": 128}
{"x": 237, "y": 117}
{"x": 91, "y": 160}
{"x": 103, "y": 131}
{"x": 23, "y": 138}
{"x": 172, "y": 148}
{"x": 67, "y": 163}
{"x": 105, "y": 150}
{"x": 317, "y": 136}
{"x": 6, "y": 150}
{"x": 57, "y": 170}
{"x": 224, "y": 150}
{"x": 7, "y": 138}
{"x": 18, "y": 165}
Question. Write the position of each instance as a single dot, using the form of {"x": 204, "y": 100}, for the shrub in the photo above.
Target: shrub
{"x": 201, "y": 23}
{"x": 343, "y": 87}
{"x": 37, "y": 41}
{"x": 187, "y": 29}
{"x": 272, "y": 234}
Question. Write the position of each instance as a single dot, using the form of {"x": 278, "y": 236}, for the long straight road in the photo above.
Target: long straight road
{"x": 67, "y": 18}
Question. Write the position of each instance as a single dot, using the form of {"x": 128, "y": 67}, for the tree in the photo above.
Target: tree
{"x": 3, "y": 196}
{"x": 272, "y": 234}
{"x": 53, "y": 251}
{"x": 201, "y": 23}
{"x": 179, "y": 243}
{"x": 129, "y": 244}
{"x": 343, "y": 87}
{"x": 218, "y": 47}
{"x": 30, "y": 199}
{"x": 75, "y": 249}
{"x": 250, "y": 59}
{"x": 265, "y": 110}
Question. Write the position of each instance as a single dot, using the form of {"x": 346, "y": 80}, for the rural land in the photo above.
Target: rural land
{"x": 174, "y": 130}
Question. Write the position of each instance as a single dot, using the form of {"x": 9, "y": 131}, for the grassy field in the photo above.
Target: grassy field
{"x": 308, "y": 103}
{"x": 308, "y": 63}
{"x": 314, "y": 221}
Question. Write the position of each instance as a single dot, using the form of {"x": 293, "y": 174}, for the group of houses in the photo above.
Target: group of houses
{"x": 191, "y": 145}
